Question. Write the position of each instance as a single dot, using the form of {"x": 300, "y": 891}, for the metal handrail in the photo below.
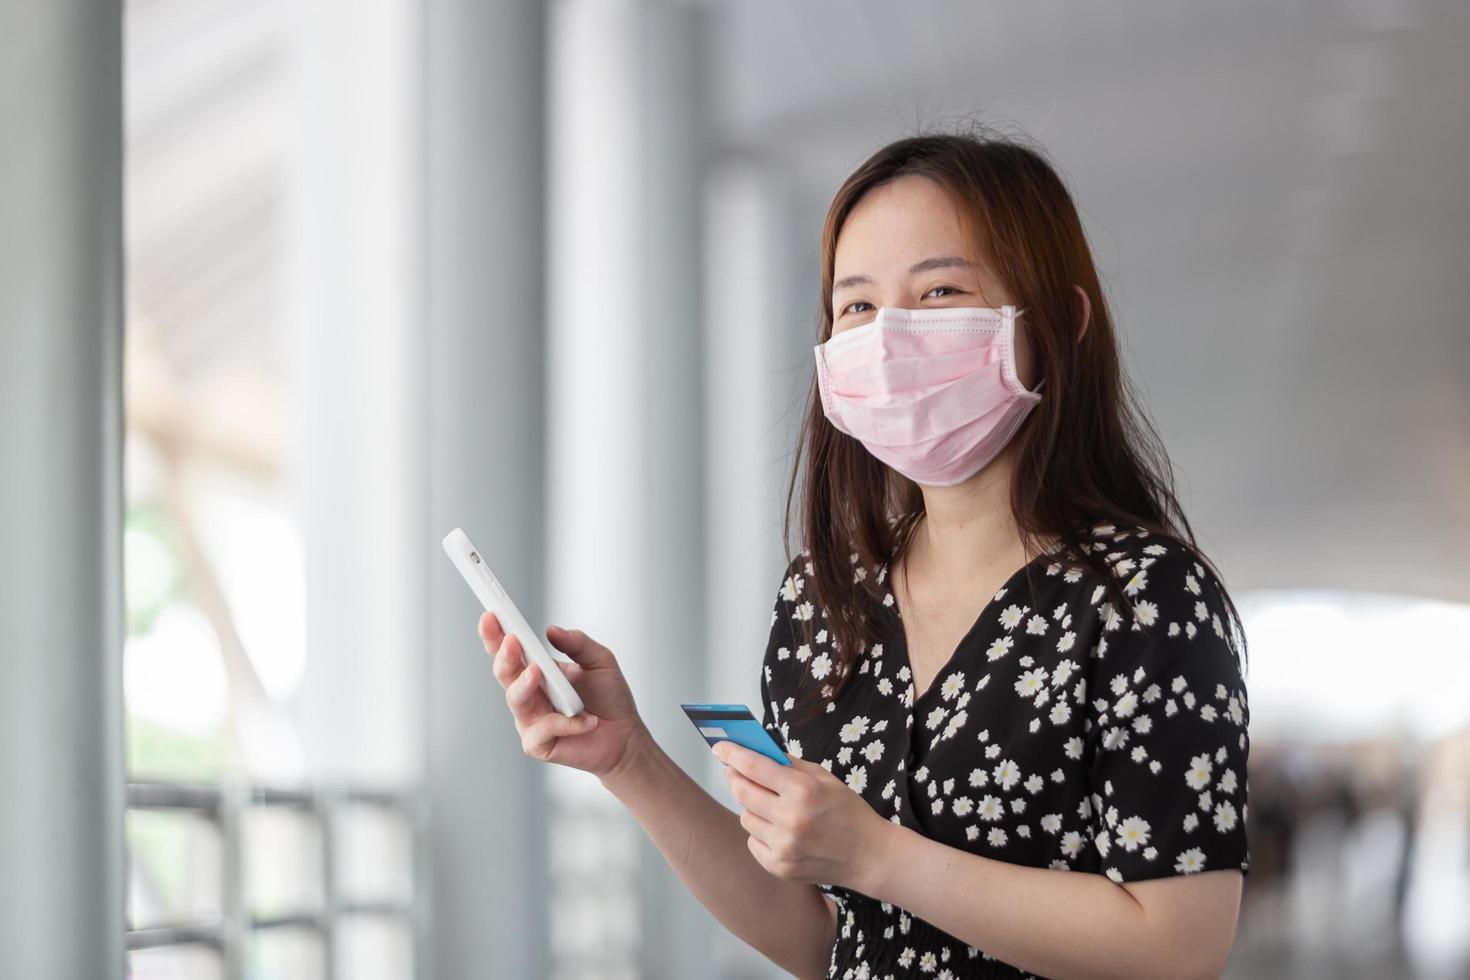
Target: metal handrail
{"x": 223, "y": 805}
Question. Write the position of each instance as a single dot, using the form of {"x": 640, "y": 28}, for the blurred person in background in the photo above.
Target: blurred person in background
{"x": 1009, "y": 682}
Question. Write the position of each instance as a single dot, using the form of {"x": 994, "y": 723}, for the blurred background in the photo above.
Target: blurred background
{"x": 293, "y": 288}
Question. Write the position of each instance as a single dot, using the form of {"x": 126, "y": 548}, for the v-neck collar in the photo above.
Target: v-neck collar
{"x": 901, "y": 639}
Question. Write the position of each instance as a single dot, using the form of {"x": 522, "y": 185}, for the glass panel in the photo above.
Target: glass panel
{"x": 174, "y": 868}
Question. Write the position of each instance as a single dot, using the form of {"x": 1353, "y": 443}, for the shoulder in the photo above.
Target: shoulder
{"x": 1152, "y": 565}
{"x": 794, "y": 590}
{"x": 1175, "y": 607}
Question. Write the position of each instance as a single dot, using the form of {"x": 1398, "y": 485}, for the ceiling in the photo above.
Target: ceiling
{"x": 1276, "y": 197}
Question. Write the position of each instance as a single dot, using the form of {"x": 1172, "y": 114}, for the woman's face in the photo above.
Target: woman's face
{"x": 902, "y": 245}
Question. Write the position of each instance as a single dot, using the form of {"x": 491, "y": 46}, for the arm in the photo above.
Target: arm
{"x": 1063, "y": 924}
{"x": 791, "y": 923}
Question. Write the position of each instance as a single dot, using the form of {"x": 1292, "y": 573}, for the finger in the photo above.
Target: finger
{"x": 750, "y": 794}
{"x": 758, "y": 826}
{"x": 491, "y": 632}
{"x": 763, "y": 854}
{"x": 538, "y": 740}
{"x": 756, "y": 767}
{"x": 508, "y": 660}
{"x": 579, "y": 646}
{"x": 524, "y": 695}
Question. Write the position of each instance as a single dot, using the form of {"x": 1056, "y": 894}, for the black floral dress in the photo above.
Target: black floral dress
{"x": 1058, "y": 735}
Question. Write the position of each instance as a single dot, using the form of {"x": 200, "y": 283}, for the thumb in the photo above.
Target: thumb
{"x": 586, "y": 651}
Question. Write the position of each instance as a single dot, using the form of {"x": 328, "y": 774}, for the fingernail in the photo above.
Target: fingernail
{"x": 590, "y": 721}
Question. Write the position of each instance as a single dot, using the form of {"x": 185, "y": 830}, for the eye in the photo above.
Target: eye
{"x": 937, "y": 289}
{"x": 849, "y": 307}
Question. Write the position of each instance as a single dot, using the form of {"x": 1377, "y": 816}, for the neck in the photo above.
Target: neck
{"x": 968, "y": 528}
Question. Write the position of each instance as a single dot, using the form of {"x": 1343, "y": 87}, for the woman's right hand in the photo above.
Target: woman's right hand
{"x": 600, "y": 739}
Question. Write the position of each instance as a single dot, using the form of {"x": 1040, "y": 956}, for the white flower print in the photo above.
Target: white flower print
{"x": 1224, "y": 816}
{"x": 979, "y": 777}
{"x": 1031, "y": 682}
{"x": 855, "y": 729}
{"x": 858, "y": 779}
{"x": 873, "y": 751}
{"x": 955, "y": 724}
{"x": 1136, "y": 584}
{"x": 1010, "y": 616}
{"x": 1051, "y": 823}
{"x": 962, "y": 806}
{"x": 1063, "y": 672}
{"x": 1006, "y": 773}
{"x": 1190, "y": 861}
{"x": 1133, "y": 833}
{"x": 935, "y": 717}
{"x": 1146, "y": 612}
{"x": 990, "y": 808}
{"x": 952, "y": 685}
{"x": 1227, "y": 781}
{"x": 805, "y": 610}
{"x": 1060, "y": 713}
{"x": 1066, "y": 642}
{"x": 1071, "y": 843}
{"x": 1198, "y": 774}
{"x": 791, "y": 588}
{"x": 1036, "y": 625}
{"x": 996, "y": 837}
{"x": 821, "y": 665}
{"x": 999, "y": 648}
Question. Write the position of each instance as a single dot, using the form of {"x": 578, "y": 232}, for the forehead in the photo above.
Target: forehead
{"x": 897, "y": 223}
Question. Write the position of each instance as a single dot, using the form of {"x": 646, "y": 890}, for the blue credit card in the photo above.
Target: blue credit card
{"x": 734, "y": 723}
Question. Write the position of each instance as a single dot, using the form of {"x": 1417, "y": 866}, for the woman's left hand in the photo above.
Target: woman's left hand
{"x": 805, "y": 824}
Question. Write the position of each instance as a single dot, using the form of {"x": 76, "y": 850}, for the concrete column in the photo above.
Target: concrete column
{"x": 487, "y": 915}
{"x": 760, "y": 316}
{"x": 61, "y": 602}
{"x": 628, "y": 112}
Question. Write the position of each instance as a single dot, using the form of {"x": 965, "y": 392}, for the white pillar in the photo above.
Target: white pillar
{"x": 61, "y": 605}
{"x": 628, "y": 113}
{"x": 760, "y": 311}
{"x": 360, "y": 356}
{"x": 485, "y": 102}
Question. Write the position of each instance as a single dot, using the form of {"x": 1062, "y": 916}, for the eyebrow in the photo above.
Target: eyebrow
{"x": 943, "y": 262}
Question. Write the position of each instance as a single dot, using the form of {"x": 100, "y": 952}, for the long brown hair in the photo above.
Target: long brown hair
{"x": 1086, "y": 454}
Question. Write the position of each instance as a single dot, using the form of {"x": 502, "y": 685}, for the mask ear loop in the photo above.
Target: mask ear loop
{"x": 1014, "y": 314}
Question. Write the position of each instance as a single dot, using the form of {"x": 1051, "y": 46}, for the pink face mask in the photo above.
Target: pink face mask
{"x": 933, "y": 393}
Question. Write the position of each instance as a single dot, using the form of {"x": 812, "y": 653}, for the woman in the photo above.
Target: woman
{"x": 1005, "y": 675}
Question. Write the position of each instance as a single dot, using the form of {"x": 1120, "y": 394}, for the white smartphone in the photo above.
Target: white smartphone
{"x": 493, "y": 597}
